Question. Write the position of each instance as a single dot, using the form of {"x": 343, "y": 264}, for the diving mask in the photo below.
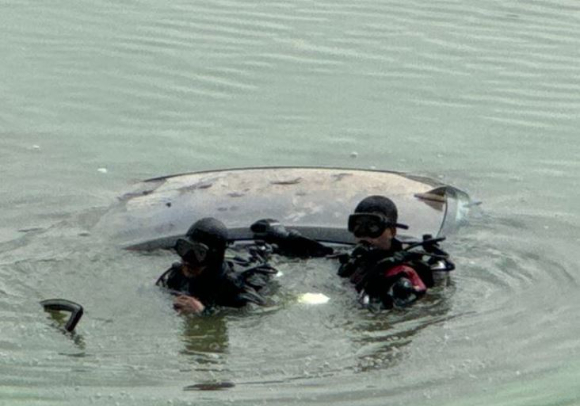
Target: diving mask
{"x": 370, "y": 224}
{"x": 193, "y": 252}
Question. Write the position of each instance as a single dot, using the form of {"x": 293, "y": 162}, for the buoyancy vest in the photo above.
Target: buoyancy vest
{"x": 382, "y": 275}
{"x": 235, "y": 283}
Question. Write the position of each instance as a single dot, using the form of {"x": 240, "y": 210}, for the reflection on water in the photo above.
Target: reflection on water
{"x": 206, "y": 338}
{"x": 382, "y": 337}
{"x": 294, "y": 340}
{"x": 59, "y": 320}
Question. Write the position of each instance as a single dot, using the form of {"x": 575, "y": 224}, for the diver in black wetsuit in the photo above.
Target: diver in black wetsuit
{"x": 384, "y": 273}
{"x": 204, "y": 279}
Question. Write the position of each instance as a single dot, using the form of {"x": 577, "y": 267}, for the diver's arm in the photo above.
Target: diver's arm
{"x": 174, "y": 282}
{"x": 298, "y": 245}
{"x": 288, "y": 242}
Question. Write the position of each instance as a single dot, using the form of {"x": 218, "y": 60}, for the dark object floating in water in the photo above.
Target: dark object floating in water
{"x": 314, "y": 201}
{"x": 207, "y": 386}
{"x": 75, "y": 309}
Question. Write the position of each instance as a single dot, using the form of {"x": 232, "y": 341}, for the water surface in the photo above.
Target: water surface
{"x": 482, "y": 95}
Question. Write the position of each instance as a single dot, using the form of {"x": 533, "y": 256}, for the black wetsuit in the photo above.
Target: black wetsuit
{"x": 226, "y": 285}
{"x": 387, "y": 277}
{"x": 239, "y": 281}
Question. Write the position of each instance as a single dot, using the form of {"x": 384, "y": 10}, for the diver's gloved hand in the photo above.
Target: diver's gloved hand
{"x": 269, "y": 229}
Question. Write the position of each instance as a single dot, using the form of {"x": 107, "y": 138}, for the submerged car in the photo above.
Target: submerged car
{"x": 314, "y": 201}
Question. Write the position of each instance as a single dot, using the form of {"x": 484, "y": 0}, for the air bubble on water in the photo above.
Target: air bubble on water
{"x": 354, "y": 154}
{"x": 102, "y": 170}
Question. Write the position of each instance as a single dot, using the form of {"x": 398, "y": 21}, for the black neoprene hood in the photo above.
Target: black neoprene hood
{"x": 379, "y": 204}
{"x": 209, "y": 231}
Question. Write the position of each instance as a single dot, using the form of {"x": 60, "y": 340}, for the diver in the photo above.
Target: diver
{"x": 384, "y": 272}
{"x": 204, "y": 279}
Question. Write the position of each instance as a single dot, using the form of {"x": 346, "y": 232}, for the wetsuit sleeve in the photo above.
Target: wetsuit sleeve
{"x": 288, "y": 242}
{"x": 297, "y": 245}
